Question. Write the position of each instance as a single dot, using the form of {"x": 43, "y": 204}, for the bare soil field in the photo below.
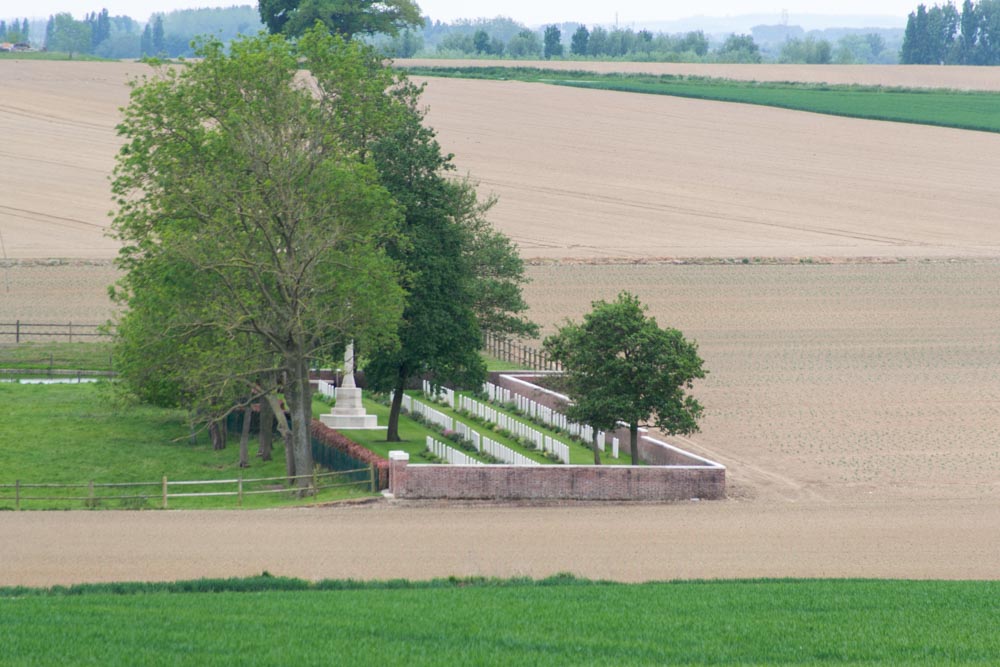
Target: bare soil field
{"x": 58, "y": 122}
{"x": 918, "y": 540}
{"x": 667, "y": 177}
{"x": 899, "y": 76}
{"x": 856, "y": 401}
{"x": 593, "y": 174}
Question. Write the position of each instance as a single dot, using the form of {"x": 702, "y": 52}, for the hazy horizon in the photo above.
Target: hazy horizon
{"x": 624, "y": 12}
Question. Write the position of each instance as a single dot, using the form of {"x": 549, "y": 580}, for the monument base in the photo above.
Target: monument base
{"x": 349, "y": 413}
{"x": 351, "y": 422}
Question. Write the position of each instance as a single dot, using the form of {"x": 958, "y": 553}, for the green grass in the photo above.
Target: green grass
{"x": 494, "y": 364}
{"x": 413, "y": 435}
{"x": 88, "y": 356}
{"x": 970, "y": 110}
{"x": 561, "y": 621}
{"x": 69, "y": 434}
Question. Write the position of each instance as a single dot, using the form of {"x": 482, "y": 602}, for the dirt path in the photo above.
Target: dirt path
{"x": 939, "y": 540}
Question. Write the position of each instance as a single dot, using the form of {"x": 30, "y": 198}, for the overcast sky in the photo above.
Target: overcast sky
{"x": 531, "y": 12}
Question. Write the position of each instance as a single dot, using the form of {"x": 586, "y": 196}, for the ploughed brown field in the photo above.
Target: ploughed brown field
{"x": 854, "y": 387}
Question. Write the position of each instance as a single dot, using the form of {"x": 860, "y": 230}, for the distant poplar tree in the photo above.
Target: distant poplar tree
{"x": 578, "y": 44}
{"x": 553, "y": 42}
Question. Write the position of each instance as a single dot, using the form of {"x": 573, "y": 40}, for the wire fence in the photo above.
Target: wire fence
{"x": 519, "y": 354}
{"x": 128, "y": 495}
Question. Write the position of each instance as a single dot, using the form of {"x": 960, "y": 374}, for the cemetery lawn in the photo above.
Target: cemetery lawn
{"x": 557, "y": 621}
{"x": 413, "y": 434}
{"x": 74, "y": 434}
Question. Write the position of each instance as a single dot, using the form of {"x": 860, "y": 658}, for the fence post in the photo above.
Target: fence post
{"x": 371, "y": 477}
{"x": 17, "y": 331}
{"x": 164, "y": 503}
{"x": 17, "y": 495}
{"x": 239, "y": 488}
{"x": 90, "y": 495}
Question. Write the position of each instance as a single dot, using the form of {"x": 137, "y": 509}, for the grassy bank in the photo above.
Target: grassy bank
{"x": 945, "y": 108}
{"x": 550, "y": 622}
{"x": 47, "y": 357}
{"x": 72, "y": 434}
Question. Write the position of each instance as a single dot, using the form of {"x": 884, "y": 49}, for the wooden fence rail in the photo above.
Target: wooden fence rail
{"x": 163, "y": 488}
{"x": 518, "y": 353}
{"x": 27, "y": 330}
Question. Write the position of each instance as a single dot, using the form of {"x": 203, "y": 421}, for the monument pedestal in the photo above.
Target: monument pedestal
{"x": 349, "y": 413}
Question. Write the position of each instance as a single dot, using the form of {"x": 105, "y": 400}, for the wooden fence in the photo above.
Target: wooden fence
{"x": 518, "y": 353}
{"x": 97, "y": 493}
{"x": 24, "y": 331}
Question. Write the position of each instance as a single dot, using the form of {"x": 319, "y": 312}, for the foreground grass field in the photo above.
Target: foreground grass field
{"x": 556, "y": 621}
{"x": 945, "y": 108}
{"x": 72, "y": 434}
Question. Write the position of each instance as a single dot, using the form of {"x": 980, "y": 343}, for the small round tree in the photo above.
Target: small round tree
{"x": 622, "y": 367}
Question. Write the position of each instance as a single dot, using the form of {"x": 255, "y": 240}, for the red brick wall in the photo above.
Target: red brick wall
{"x": 555, "y": 482}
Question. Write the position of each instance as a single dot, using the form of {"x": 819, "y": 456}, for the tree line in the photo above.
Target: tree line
{"x": 505, "y": 38}
{"x": 169, "y": 35}
{"x": 943, "y": 35}
{"x": 15, "y": 32}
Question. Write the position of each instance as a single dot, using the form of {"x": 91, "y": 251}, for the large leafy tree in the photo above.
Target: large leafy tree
{"x": 249, "y": 221}
{"x": 69, "y": 35}
{"x": 462, "y": 277}
{"x": 621, "y": 366}
{"x": 345, "y": 18}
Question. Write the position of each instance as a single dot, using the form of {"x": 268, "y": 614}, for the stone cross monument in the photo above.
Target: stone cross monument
{"x": 349, "y": 413}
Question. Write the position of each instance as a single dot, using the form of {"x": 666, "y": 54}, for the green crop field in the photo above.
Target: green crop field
{"x": 559, "y": 621}
{"x": 946, "y": 108}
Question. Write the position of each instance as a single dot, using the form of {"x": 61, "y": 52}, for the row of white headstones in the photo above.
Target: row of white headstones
{"x": 526, "y": 406}
{"x": 482, "y": 443}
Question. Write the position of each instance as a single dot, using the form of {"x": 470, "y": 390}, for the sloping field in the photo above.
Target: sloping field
{"x": 591, "y": 174}
{"x": 57, "y": 120}
{"x": 900, "y": 76}
{"x": 667, "y": 177}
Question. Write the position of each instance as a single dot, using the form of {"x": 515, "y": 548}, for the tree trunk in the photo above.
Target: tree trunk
{"x": 299, "y": 397}
{"x": 286, "y": 434}
{"x": 266, "y": 435}
{"x": 245, "y": 437}
{"x": 597, "y": 450}
{"x": 217, "y": 433}
{"x": 392, "y": 432}
{"x": 633, "y": 438}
